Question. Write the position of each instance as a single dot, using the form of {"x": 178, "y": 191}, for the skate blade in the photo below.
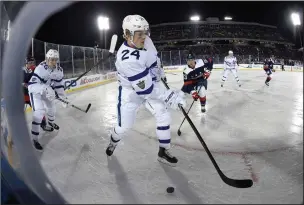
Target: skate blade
{"x": 162, "y": 160}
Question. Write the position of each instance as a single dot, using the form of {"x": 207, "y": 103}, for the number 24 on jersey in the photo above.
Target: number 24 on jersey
{"x": 126, "y": 54}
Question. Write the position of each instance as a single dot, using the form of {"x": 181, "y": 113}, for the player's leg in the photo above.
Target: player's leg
{"x": 269, "y": 76}
{"x": 27, "y": 101}
{"x": 163, "y": 120}
{"x": 51, "y": 113}
{"x": 128, "y": 103}
{"x": 224, "y": 77}
{"x": 38, "y": 113}
{"x": 234, "y": 72}
{"x": 202, "y": 85}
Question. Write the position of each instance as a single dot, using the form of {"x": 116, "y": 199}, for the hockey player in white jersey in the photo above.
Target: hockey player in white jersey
{"x": 136, "y": 85}
{"x": 44, "y": 85}
{"x": 230, "y": 65}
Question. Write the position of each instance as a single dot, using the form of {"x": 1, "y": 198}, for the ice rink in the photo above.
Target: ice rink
{"x": 253, "y": 132}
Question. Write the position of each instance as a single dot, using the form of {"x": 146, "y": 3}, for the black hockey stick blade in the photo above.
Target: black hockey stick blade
{"x": 78, "y": 108}
{"x": 89, "y": 106}
{"x": 237, "y": 183}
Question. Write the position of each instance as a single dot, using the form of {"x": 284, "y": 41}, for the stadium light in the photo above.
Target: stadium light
{"x": 228, "y": 18}
{"x": 103, "y": 23}
{"x": 103, "y": 26}
{"x": 194, "y": 18}
{"x": 295, "y": 18}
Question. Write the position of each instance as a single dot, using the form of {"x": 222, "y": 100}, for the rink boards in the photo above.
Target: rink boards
{"x": 179, "y": 68}
{"x": 99, "y": 79}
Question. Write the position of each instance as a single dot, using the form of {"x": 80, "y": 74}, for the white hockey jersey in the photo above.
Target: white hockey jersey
{"x": 134, "y": 70}
{"x": 46, "y": 76}
{"x": 157, "y": 72}
{"x": 230, "y": 62}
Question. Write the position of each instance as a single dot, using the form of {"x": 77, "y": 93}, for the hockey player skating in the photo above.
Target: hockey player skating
{"x": 268, "y": 68}
{"x": 44, "y": 85}
{"x": 28, "y": 71}
{"x": 230, "y": 65}
{"x": 195, "y": 78}
{"x": 136, "y": 85}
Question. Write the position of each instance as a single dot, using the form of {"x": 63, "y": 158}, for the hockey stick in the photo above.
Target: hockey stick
{"x": 237, "y": 183}
{"x": 171, "y": 73}
{"x": 112, "y": 49}
{"x": 178, "y": 131}
{"x": 74, "y": 106}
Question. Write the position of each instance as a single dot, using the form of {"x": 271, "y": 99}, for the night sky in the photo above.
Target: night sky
{"x": 77, "y": 24}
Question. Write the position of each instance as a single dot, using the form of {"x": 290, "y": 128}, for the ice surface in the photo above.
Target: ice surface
{"x": 253, "y": 132}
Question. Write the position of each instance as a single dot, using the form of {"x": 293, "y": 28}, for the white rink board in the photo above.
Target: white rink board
{"x": 253, "y": 132}
{"x": 179, "y": 68}
{"x": 89, "y": 80}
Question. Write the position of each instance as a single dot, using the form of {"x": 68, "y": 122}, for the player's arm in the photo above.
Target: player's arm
{"x": 37, "y": 81}
{"x": 225, "y": 64}
{"x": 58, "y": 83}
{"x": 265, "y": 65}
{"x": 208, "y": 64}
{"x": 26, "y": 77}
{"x": 141, "y": 81}
{"x": 236, "y": 64}
{"x": 161, "y": 69}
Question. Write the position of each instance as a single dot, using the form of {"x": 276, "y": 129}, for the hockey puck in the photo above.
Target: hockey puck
{"x": 170, "y": 189}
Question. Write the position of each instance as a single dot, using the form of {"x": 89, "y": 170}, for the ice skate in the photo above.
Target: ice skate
{"x": 165, "y": 157}
{"x": 50, "y": 127}
{"x": 54, "y": 125}
{"x": 203, "y": 108}
{"x": 37, "y": 145}
{"x": 111, "y": 147}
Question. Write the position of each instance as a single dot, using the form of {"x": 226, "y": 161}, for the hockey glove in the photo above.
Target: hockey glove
{"x": 49, "y": 93}
{"x": 206, "y": 74}
{"x": 174, "y": 98}
{"x": 63, "y": 97}
{"x": 64, "y": 105}
{"x": 195, "y": 95}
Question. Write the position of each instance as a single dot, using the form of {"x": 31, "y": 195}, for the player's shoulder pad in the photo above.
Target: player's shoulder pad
{"x": 207, "y": 60}
{"x": 187, "y": 70}
{"x": 40, "y": 67}
{"x": 59, "y": 68}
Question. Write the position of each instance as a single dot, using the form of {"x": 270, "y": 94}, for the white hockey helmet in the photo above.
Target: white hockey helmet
{"x": 132, "y": 23}
{"x": 230, "y": 52}
{"x": 52, "y": 54}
